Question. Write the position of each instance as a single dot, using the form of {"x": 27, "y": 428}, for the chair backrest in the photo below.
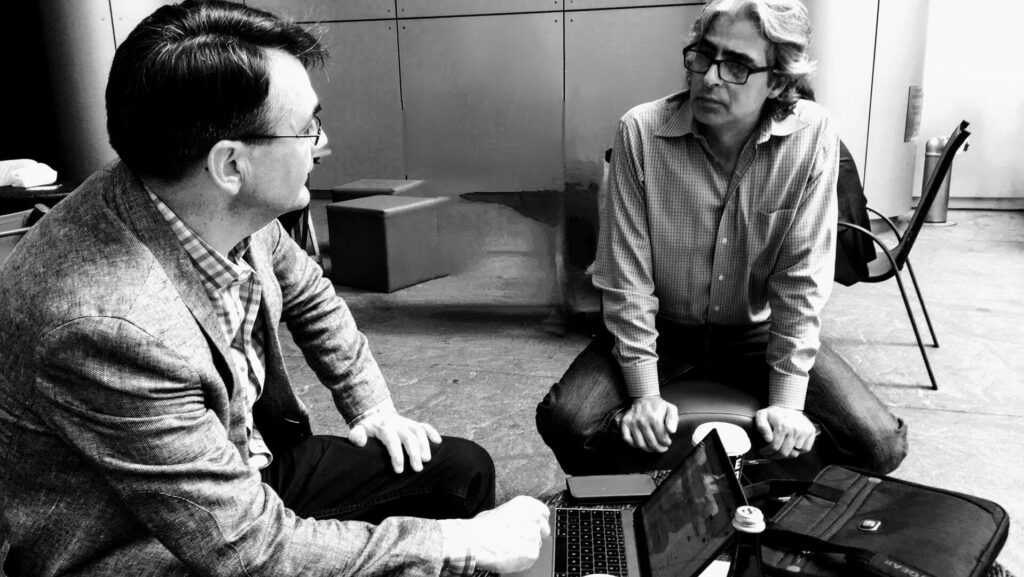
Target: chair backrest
{"x": 931, "y": 190}
{"x": 14, "y": 226}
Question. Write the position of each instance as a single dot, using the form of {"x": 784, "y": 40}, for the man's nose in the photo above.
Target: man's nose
{"x": 712, "y": 76}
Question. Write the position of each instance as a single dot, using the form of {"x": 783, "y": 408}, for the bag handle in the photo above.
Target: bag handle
{"x": 756, "y": 491}
{"x": 877, "y": 564}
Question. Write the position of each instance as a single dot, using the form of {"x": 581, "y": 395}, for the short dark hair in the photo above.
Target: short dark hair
{"x": 192, "y": 74}
{"x": 787, "y": 27}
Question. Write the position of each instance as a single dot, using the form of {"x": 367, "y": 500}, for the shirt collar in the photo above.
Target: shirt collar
{"x": 682, "y": 123}
{"x": 216, "y": 270}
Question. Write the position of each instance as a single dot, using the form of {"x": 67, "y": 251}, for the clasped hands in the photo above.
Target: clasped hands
{"x": 649, "y": 423}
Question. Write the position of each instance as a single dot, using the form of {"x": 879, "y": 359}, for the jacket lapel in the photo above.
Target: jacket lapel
{"x": 132, "y": 203}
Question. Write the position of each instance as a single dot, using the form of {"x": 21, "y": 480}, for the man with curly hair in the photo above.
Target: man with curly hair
{"x": 716, "y": 256}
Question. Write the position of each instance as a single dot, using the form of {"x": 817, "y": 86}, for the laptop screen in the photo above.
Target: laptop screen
{"x": 687, "y": 521}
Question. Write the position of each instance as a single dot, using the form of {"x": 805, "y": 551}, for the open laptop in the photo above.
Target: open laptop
{"x": 684, "y": 525}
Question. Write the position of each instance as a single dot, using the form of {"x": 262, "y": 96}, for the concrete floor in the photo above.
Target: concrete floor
{"x": 473, "y": 352}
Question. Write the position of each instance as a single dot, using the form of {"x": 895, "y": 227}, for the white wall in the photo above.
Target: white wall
{"x": 973, "y": 73}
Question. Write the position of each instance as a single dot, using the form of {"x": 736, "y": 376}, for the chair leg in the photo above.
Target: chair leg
{"x": 917, "y": 333}
{"x": 927, "y": 319}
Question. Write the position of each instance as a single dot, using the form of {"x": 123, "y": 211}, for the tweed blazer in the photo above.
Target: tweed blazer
{"x": 123, "y": 447}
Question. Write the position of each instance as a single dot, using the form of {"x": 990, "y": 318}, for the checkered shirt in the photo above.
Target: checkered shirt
{"x": 234, "y": 291}
{"x": 684, "y": 240}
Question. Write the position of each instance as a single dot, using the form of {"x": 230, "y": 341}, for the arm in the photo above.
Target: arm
{"x": 798, "y": 289}
{"x": 153, "y": 425}
{"x": 624, "y": 274}
{"x": 339, "y": 354}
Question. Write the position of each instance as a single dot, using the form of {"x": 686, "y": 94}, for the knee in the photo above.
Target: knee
{"x": 886, "y": 453}
{"x": 473, "y": 467}
{"x": 561, "y": 422}
{"x": 468, "y": 457}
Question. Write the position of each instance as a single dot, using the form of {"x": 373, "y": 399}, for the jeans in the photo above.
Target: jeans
{"x": 327, "y": 477}
{"x": 576, "y": 418}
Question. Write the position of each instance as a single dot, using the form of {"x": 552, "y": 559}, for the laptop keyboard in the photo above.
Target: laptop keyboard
{"x": 589, "y": 541}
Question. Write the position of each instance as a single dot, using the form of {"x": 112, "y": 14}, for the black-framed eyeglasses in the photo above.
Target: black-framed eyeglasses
{"x": 315, "y": 131}
{"x": 730, "y": 71}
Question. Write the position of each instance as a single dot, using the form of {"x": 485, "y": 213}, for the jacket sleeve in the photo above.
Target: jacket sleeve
{"x": 323, "y": 328}
{"x": 148, "y": 419}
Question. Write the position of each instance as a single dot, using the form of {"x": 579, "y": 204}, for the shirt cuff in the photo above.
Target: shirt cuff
{"x": 642, "y": 379}
{"x": 787, "y": 391}
{"x": 457, "y": 545}
{"x": 385, "y": 406}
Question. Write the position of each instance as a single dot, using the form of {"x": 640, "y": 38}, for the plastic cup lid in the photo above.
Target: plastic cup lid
{"x": 734, "y": 438}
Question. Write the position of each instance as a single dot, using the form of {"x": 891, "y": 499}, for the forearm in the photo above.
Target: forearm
{"x": 802, "y": 282}
{"x": 325, "y": 331}
{"x": 624, "y": 272}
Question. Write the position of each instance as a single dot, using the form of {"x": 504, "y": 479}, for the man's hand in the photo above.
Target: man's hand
{"x": 508, "y": 537}
{"x": 397, "y": 433}
{"x": 788, "y": 432}
{"x": 649, "y": 424}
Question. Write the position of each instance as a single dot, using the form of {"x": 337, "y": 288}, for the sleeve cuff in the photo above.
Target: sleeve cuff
{"x": 385, "y": 406}
{"x": 459, "y": 559}
{"x": 787, "y": 391}
{"x": 642, "y": 379}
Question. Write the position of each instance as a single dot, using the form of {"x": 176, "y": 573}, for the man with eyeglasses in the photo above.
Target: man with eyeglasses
{"x": 148, "y": 425}
{"x": 715, "y": 258}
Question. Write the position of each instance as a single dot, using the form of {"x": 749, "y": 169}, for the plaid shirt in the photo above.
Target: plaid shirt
{"x": 683, "y": 239}
{"x": 234, "y": 291}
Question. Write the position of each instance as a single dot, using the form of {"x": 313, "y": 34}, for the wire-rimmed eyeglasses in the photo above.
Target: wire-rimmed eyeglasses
{"x": 314, "y": 131}
{"x": 730, "y": 71}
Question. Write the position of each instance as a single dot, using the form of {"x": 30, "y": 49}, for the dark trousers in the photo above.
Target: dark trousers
{"x": 576, "y": 418}
{"x": 328, "y": 477}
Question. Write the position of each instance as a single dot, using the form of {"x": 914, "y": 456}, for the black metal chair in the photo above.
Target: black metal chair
{"x": 890, "y": 263}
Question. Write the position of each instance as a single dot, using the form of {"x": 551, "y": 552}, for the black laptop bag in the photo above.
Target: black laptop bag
{"x": 850, "y": 522}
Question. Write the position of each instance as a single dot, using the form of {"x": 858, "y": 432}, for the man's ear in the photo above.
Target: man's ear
{"x": 228, "y": 165}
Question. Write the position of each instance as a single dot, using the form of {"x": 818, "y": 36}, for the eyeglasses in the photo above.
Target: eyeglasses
{"x": 730, "y": 71}
{"x": 315, "y": 131}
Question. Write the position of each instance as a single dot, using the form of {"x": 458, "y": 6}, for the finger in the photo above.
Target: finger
{"x": 423, "y": 435}
{"x": 411, "y": 445}
{"x": 672, "y": 419}
{"x": 640, "y": 442}
{"x": 786, "y": 448}
{"x": 807, "y": 444}
{"x": 432, "y": 434}
{"x": 651, "y": 438}
{"x": 394, "y": 446}
{"x": 763, "y": 427}
{"x": 627, "y": 435}
{"x": 357, "y": 436}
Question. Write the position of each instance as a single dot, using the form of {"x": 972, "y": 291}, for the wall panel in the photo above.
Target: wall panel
{"x": 360, "y": 93}
{"x": 335, "y": 10}
{"x": 604, "y": 4}
{"x": 435, "y": 8}
{"x": 614, "y": 60}
{"x": 844, "y": 46}
{"x": 483, "y": 101}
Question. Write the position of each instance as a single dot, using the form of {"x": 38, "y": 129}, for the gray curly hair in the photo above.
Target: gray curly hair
{"x": 787, "y": 27}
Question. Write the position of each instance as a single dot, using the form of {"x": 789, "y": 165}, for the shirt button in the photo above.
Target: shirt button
{"x": 717, "y": 308}
{"x": 721, "y": 277}
{"x": 725, "y": 241}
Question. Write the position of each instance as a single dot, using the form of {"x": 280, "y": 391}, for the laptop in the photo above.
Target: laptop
{"x": 677, "y": 531}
